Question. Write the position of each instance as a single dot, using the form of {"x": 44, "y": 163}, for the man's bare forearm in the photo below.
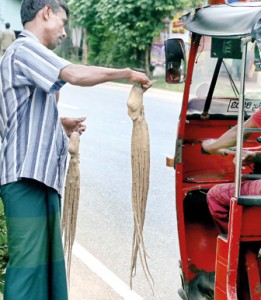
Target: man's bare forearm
{"x": 92, "y": 75}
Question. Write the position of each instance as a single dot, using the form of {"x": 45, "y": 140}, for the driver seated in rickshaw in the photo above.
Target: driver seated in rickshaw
{"x": 218, "y": 197}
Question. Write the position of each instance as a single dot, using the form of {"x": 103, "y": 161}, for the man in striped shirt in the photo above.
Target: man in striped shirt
{"x": 34, "y": 147}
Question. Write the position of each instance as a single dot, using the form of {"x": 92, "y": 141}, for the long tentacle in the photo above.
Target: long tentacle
{"x": 71, "y": 200}
{"x": 140, "y": 158}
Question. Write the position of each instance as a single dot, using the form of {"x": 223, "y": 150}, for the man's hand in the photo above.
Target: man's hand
{"x": 73, "y": 124}
{"x": 141, "y": 78}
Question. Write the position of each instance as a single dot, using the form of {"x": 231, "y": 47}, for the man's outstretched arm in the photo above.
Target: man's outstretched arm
{"x": 92, "y": 75}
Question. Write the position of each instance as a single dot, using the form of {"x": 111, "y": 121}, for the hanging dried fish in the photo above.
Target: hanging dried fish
{"x": 71, "y": 199}
{"x": 140, "y": 159}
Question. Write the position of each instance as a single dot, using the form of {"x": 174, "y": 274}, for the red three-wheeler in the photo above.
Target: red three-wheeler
{"x": 222, "y": 88}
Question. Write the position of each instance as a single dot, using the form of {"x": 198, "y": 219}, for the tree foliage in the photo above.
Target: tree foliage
{"x": 121, "y": 32}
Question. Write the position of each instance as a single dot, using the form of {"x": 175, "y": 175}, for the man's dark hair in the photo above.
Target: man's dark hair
{"x": 7, "y": 25}
{"x": 30, "y": 8}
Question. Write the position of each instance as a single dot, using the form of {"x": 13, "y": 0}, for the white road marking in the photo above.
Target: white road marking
{"x": 120, "y": 287}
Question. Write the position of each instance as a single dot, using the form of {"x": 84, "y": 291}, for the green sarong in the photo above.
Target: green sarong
{"x": 36, "y": 268}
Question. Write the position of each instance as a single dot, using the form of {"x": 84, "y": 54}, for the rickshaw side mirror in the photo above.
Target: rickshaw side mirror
{"x": 175, "y": 55}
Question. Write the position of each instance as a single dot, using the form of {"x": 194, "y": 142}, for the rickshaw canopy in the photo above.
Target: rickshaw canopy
{"x": 234, "y": 20}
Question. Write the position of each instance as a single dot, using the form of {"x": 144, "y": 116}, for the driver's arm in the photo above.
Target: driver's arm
{"x": 228, "y": 139}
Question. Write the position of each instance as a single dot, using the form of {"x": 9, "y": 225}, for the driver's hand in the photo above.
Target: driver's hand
{"x": 247, "y": 157}
{"x": 206, "y": 144}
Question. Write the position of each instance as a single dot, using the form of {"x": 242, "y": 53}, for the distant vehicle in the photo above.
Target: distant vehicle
{"x": 222, "y": 88}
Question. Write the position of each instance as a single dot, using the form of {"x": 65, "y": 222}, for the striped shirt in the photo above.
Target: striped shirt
{"x": 33, "y": 143}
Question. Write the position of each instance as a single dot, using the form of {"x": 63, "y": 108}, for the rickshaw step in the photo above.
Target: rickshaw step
{"x": 252, "y": 130}
{"x": 249, "y": 200}
{"x": 251, "y": 176}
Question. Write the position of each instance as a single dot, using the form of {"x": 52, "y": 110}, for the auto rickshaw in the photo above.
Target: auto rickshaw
{"x": 222, "y": 88}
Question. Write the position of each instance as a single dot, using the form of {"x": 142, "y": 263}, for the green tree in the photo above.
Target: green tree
{"x": 135, "y": 24}
{"x": 121, "y": 32}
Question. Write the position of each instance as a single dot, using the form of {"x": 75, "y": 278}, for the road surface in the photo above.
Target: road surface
{"x": 102, "y": 250}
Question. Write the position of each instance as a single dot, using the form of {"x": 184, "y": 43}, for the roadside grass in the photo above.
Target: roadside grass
{"x": 160, "y": 83}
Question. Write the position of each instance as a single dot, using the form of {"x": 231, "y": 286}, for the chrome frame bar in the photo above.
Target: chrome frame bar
{"x": 240, "y": 120}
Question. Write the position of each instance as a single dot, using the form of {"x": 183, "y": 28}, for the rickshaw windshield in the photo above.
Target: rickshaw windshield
{"x": 224, "y": 100}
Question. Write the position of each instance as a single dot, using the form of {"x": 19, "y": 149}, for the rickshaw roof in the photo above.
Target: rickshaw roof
{"x": 233, "y": 20}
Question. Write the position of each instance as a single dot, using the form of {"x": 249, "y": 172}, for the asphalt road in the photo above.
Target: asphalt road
{"x": 102, "y": 252}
